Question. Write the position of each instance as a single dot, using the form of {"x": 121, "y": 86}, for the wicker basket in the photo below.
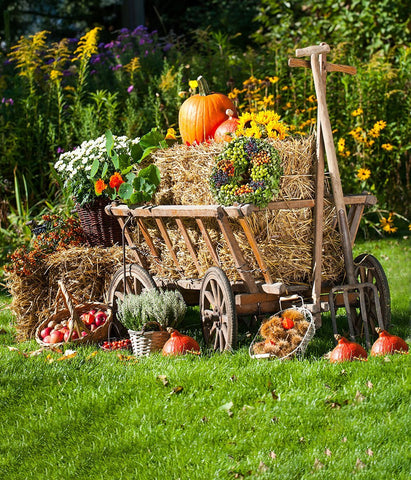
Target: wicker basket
{"x": 100, "y": 229}
{"x": 144, "y": 343}
{"x": 73, "y": 309}
{"x": 302, "y": 346}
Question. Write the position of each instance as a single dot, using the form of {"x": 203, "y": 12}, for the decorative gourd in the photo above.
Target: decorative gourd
{"x": 387, "y": 344}
{"x": 346, "y": 351}
{"x": 201, "y": 114}
{"x": 222, "y": 134}
{"x": 179, "y": 344}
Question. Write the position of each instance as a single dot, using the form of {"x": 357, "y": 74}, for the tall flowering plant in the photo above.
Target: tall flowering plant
{"x": 109, "y": 167}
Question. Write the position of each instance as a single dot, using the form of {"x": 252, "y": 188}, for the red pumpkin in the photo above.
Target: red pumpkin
{"x": 346, "y": 351}
{"x": 287, "y": 323}
{"x": 226, "y": 130}
{"x": 387, "y": 344}
{"x": 201, "y": 114}
{"x": 178, "y": 344}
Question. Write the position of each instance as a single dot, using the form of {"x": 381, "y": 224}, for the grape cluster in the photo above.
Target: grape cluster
{"x": 219, "y": 178}
{"x": 251, "y": 147}
{"x": 257, "y": 184}
{"x": 259, "y": 172}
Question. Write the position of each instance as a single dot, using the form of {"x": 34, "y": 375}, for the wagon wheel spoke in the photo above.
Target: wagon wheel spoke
{"x": 217, "y": 310}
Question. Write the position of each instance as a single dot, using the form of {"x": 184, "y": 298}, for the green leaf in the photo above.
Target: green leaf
{"x": 151, "y": 139}
{"x": 136, "y": 151}
{"x": 109, "y": 142}
{"x": 105, "y": 168}
{"x": 151, "y": 173}
{"x": 115, "y": 160}
{"x": 124, "y": 161}
{"x": 94, "y": 168}
{"x": 125, "y": 191}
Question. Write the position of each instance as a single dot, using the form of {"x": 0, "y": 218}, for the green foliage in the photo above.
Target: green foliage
{"x": 166, "y": 308}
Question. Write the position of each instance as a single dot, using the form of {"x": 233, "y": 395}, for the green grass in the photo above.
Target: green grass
{"x": 211, "y": 417}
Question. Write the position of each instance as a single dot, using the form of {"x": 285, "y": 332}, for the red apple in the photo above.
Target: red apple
{"x": 100, "y": 318}
{"x": 45, "y": 332}
{"x": 84, "y": 334}
{"x": 88, "y": 318}
{"x": 73, "y": 336}
{"x": 47, "y": 339}
{"x": 56, "y": 336}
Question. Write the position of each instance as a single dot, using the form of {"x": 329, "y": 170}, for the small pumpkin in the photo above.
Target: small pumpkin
{"x": 201, "y": 114}
{"x": 387, "y": 344}
{"x": 179, "y": 344}
{"x": 287, "y": 323}
{"x": 346, "y": 351}
{"x": 227, "y": 129}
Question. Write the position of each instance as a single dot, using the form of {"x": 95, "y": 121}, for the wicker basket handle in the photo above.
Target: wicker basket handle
{"x": 75, "y": 321}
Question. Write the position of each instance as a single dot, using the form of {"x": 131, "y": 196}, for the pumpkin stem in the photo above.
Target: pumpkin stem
{"x": 229, "y": 113}
{"x": 378, "y": 330}
{"x": 203, "y": 88}
{"x": 338, "y": 337}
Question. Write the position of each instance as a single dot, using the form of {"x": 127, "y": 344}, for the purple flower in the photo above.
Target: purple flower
{"x": 130, "y": 88}
{"x": 116, "y": 67}
{"x": 7, "y": 101}
{"x": 60, "y": 150}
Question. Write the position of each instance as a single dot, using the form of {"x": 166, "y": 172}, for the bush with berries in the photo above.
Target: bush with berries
{"x": 55, "y": 234}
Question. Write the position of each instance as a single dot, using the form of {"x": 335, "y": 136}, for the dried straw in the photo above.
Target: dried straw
{"x": 85, "y": 271}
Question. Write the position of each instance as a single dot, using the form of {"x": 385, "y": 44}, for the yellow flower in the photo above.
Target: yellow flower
{"x": 55, "y": 75}
{"x": 285, "y": 87}
{"x": 341, "y": 145}
{"x": 357, "y": 112}
{"x": 133, "y": 65}
{"x": 387, "y": 224}
{"x": 273, "y": 79}
{"x": 171, "y": 134}
{"x": 87, "y": 45}
{"x": 363, "y": 173}
{"x": 409, "y": 226}
{"x": 387, "y": 146}
{"x": 312, "y": 98}
{"x": 193, "y": 84}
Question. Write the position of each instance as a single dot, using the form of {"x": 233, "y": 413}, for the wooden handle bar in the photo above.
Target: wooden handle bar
{"x": 330, "y": 67}
{"x": 313, "y": 50}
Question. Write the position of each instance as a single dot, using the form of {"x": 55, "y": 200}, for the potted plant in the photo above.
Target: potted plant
{"x": 148, "y": 316}
{"x": 107, "y": 169}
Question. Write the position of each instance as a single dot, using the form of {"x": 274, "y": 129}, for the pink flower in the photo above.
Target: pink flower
{"x": 130, "y": 88}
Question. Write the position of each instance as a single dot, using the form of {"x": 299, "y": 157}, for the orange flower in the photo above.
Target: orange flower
{"x": 116, "y": 180}
{"x": 99, "y": 186}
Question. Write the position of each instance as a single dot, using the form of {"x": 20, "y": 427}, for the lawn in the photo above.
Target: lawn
{"x": 217, "y": 416}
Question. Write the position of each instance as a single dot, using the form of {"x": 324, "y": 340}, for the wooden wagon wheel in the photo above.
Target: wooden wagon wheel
{"x": 368, "y": 269}
{"x": 137, "y": 280}
{"x": 217, "y": 310}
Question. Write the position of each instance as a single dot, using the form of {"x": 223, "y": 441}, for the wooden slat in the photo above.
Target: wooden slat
{"x": 239, "y": 260}
{"x": 168, "y": 211}
{"x": 189, "y": 245}
{"x": 254, "y": 246}
{"x": 329, "y": 67}
{"x": 277, "y": 288}
{"x": 313, "y": 50}
{"x": 254, "y": 298}
{"x": 148, "y": 238}
{"x": 354, "y": 219}
{"x": 166, "y": 238}
{"x": 208, "y": 241}
{"x": 140, "y": 259}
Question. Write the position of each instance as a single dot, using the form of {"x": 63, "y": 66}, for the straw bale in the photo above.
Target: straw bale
{"x": 86, "y": 272}
{"x": 285, "y": 237}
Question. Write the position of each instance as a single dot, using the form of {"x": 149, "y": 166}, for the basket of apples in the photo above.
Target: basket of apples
{"x": 77, "y": 322}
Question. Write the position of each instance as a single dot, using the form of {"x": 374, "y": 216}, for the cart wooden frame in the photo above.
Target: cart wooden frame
{"x": 364, "y": 292}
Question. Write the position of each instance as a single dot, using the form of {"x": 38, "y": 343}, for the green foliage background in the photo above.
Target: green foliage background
{"x": 227, "y": 42}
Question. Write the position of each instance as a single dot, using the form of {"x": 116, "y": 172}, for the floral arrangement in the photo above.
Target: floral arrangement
{"x": 248, "y": 170}
{"x": 107, "y": 166}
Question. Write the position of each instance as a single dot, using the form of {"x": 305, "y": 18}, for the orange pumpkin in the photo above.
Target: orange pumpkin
{"x": 226, "y": 130}
{"x": 179, "y": 344}
{"x": 201, "y": 114}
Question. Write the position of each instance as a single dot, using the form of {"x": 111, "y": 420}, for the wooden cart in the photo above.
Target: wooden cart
{"x": 364, "y": 292}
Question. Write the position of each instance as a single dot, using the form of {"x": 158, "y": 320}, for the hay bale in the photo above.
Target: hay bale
{"x": 85, "y": 271}
{"x": 285, "y": 237}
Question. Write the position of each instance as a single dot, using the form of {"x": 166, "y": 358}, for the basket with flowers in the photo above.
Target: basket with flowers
{"x": 107, "y": 169}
